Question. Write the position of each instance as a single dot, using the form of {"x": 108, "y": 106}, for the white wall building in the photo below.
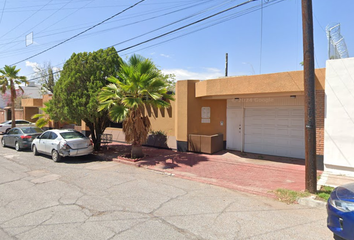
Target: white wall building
{"x": 339, "y": 117}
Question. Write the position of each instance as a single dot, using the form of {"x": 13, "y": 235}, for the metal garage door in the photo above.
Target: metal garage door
{"x": 275, "y": 131}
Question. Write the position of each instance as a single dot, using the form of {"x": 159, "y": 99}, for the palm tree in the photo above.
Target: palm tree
{"x": 139, "y": 83}
{"x": 8, "y": 79}
{"x": 43, "y": 118}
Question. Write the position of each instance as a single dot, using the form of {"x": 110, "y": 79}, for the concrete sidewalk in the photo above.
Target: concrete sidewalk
{"x": 252, "y": 173}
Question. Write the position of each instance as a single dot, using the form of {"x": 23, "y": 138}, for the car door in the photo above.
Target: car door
{"x": 51, "y": 143}
{"x": 15, "y": 136}
{"x": 10, "y": 137}
{"x": 42, "y": 141}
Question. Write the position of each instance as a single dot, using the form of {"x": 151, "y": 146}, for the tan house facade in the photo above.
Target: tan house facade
{"x": 260, "y": 113}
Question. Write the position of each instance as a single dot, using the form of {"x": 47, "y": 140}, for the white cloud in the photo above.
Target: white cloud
{"x": 182, "y": 74}
{"x": 56, "y": 69}
{"x": 165, "y": 55}
{"x": 33, "y": 65}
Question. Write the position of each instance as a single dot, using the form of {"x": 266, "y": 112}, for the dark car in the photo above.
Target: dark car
{"x": 20, "y": 137}
{"x": 340, "y": 209}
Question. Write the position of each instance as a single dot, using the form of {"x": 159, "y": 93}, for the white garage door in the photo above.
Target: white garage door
{"x": 275, "y": 131}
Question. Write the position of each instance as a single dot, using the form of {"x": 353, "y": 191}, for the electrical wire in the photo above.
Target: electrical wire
{"x": 94, "y": 33}
{"x": 261, "y": 40}
{"x": 185, "y": 26}
{"x": 126, "y": 9}
{"x": 238, "y": 14}
{"x": 43, "y": 21}
{"x": 25, "y": 20}
{"x": 224, "y": 19}
{"x": 2, "y": 12}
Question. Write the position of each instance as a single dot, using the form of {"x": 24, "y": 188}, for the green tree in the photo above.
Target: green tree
{"x": 8, "y": 81}
{"x": 75, "y": 92}
{"x": 139, "y": 82}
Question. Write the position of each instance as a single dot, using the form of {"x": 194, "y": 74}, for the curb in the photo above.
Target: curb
{"x": 311, "y": 202}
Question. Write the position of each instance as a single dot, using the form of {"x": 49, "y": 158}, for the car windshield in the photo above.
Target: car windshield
{"x": 71, "y": 135}
{"x": 31, "y": 130}
{"x": 5, "y": 122}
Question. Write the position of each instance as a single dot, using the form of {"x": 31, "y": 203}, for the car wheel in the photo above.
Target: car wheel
{"x": 34, "y": 150}
{"x": 17, "y": 146}
{"x": 3, "y": 142}
{"x": 7, "y": 130}
{"x": 56, "y": 156}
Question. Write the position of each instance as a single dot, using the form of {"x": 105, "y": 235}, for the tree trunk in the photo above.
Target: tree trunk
{"x": 13, "y": 96}
{"x": 137, "y": 151}
{"x": 97, "y": 129}
{"x": 98, "y": 133}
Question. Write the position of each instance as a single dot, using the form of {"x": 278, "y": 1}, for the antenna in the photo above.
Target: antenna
{"x": 336, "y": 45}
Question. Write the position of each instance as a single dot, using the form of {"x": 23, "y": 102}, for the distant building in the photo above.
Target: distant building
{"x": 30, "y": 91}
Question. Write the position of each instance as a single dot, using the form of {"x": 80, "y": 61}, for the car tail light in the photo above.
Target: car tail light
{"x": 66, "y": 146}
{"x": 91, "y": 142}
{"x": 26, "y": 137}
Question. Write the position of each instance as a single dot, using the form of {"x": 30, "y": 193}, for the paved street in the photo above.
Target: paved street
{"x": 84, "y": 198}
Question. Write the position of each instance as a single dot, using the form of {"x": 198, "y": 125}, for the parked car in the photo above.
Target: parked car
{"x": 6, "y": 126}
{"x": 62, "y": 143}
{"x": 340, "y": 210}
{"x": 20, "y": 137}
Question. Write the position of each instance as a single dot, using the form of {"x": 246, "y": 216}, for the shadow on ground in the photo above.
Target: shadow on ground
{"x": 154, "y": 156}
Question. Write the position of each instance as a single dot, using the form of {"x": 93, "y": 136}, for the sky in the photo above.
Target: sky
{"x": 260, "y": 36}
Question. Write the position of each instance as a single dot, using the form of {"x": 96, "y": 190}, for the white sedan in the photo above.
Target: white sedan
{"x": 6, "y": 126}
{"x": 62, "y": 143}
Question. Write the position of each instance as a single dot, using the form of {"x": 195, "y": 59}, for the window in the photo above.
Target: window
{"x": 53, "y": 136}
{"x": 22, "y": 122}
{"x": 17, "y": 131}
{"x": 71, "y": 135}
{"x": 45, "y": 135}
{"x": 12, "y": 131}
{"x": 31, "y": 130}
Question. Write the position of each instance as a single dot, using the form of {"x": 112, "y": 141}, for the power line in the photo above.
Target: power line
{"x": 238, "y": 14}
{"x": 2, "y": 12}
{"x": 180, "y": 28}
{"x": 224, "y": 19}
{"x": 105, "y": 30}
{"x": 170, "y": 24}
{"x": 25, "y": 20}
{"x": 43, "y": 20}
{"x": 261, "y": 40}
{"x": 126, "y": 9}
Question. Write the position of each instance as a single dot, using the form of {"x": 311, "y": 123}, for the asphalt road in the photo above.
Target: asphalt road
{"x": 84, "y": 198}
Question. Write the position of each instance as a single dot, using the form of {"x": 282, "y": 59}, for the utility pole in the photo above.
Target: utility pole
{"x": 226, "y": 64}
{"x": 309, "y": 90}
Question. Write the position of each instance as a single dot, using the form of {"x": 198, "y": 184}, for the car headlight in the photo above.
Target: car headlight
{"x": 343, "y": 206}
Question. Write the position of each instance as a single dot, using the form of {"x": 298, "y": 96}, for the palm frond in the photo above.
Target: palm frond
{"x": 117, "y": 113}
{"x": 41, "y": 122}
{"x": 38, "y": 115}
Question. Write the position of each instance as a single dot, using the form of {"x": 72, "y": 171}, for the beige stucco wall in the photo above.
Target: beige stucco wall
{"x": 189, "y": 112}
{"x": 162, "y": 119}
{"x": 32, "y": 102}
{"x": 276, "y": 83}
